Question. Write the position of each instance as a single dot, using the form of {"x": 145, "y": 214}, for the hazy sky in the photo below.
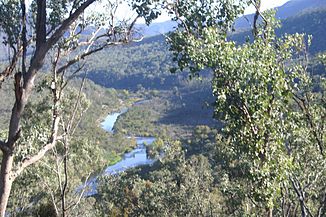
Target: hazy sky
{"x": 266, "y": 4}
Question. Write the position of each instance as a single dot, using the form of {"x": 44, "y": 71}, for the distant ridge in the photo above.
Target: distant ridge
{"x": 289, "y": 9}
{"x": 311, "y": 22}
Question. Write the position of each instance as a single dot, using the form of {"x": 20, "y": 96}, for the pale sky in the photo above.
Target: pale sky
{"x": 124, "y": 11}
{"x": 266, "y": 4}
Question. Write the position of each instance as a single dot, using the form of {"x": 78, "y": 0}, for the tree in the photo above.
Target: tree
{"x": 32, "y": 35}
{"x": 274, "y": 122}
{"x": 178, "y": 187}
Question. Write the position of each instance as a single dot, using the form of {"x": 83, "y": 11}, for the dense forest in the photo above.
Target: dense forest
{"x": 236, "y": 117}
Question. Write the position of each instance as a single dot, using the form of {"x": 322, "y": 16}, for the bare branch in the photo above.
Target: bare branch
{"x": 257, "y": 4}
{"x": 66, "y": 23}
{"x": 78, "y": 58}
{"x": 10, "y": 68}
{"x": 74, "y": 205}
{"x": 23, "y": 36}
{"x": 73, "y": 116}
{"x": 51, "y": 194}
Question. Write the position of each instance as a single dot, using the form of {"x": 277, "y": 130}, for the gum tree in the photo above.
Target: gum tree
{"x": 272, "y": 146}
{"x": 29, "y": 33}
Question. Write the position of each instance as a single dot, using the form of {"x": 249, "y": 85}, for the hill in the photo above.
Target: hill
{"x": 146, "y": 64}
{"x": 289, "y": 9}
{"x": 312, "y": 22}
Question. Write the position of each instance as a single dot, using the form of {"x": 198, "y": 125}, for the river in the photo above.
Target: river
{"x": 136, "y": 157}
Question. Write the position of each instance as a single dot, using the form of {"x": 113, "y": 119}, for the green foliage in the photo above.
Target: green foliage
{"x": 194, "y": 18}
{"x": 274, "y": 128}
{"x": 145, "y": 64}
{"x": 10, "y": 26}
{"x": 181, "y": 187}
{"x": 90, "y": 150}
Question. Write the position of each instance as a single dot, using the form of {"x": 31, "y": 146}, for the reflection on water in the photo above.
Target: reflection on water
{"x": 110, "y": 120}
{"x": 136, "y": 157}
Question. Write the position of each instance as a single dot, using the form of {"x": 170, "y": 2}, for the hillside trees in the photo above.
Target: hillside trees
{"x": 30, "y": 34}
{"x": 272, "y": 147}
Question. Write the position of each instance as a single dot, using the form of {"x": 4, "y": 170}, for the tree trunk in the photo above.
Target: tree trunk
{"x": 6, "y": 181}
{"x": 23, "y": 91}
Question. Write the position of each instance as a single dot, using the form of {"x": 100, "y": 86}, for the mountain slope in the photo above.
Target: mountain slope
{"x": 311, "y": 22}
{"x": 289, "y": 9}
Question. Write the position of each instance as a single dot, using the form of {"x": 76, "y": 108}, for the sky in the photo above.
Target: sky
{"x": 266, "y": 4}
{"x": 125, "y": 13}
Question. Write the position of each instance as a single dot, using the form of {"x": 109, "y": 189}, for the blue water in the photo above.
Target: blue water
{"x": 110, "y": 120}
{"x": 136, "y": 157}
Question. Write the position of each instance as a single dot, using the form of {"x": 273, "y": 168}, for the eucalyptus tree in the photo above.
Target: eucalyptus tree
{"x": 31, "y": 32}
{"x": 272, "y": 145}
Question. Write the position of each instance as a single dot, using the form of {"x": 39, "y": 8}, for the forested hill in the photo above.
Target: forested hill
{"x": 146, "y": 64}
{"x": 311, "y": 22}
{"x": 289, "y": 9}
{"x": 139, "y": 65}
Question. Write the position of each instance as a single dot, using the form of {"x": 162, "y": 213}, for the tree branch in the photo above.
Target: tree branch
{"x": 4, "y": 147}
{"x": 38, "y": 58}
{"x": 257, "y": 4}
{"x": 74, "y": 204}
{"x": 78, "y": 58}
{"x": 9, "y": 69}
{"x": 23, "y": 36}
{"x": 38, "y": 156}
{"x": 302, "y": 105}
{"x": 66, "y": 23}
{"x": 40, "y": 24}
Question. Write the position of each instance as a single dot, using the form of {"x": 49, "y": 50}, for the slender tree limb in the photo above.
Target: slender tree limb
{"x": 64, "y": 84}
{"x": 10, "y": 68}
{"x": 301, "y": 196}
{"x": 77, "y": 103}
{"x": 65, "y": 182}
{"x": 38, "y": 156}
{"x": 74, "y": 204}
{"x": 257, "y": 5}
{"x": 66, "y": 23}
{"x": 23, "y": 36}
{"x": 78, "y": 58}
{"x": 51, "y": 194}
{"x": 302, "y": 105}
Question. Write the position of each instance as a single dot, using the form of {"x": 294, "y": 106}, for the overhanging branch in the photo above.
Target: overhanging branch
{"x": 66, "y": 23}
{"x": 78, "y": 58}
{"x": 38, "y": 58}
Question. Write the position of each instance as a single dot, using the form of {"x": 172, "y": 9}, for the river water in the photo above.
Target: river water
{"x": 136, "y": 157}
